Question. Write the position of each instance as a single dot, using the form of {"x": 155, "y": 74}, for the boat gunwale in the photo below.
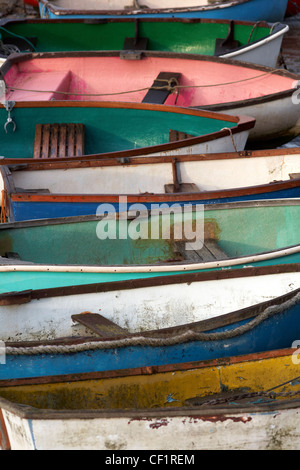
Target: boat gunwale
{"x": 31, "y": 164}
{"x": 15, "y": 298}
{"x": 18, "y": 196}
{"x": 150, "y": 268}
{"x": 94, "y": 21}
{"x": 16, "y": 58}
{"x": 206, "y": 207}
{"x": 69, "y": 11}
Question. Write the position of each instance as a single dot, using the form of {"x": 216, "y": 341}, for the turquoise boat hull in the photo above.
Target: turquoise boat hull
{"x": 103, "y": 248}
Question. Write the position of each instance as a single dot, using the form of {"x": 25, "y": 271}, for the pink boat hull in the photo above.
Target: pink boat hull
{"x": 214, "y": 84}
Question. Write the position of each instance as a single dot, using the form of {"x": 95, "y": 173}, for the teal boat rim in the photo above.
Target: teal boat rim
{"x": 18, "y": 297}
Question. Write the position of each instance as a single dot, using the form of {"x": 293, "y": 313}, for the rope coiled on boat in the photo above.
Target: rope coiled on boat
{"x": 171, "y": 339}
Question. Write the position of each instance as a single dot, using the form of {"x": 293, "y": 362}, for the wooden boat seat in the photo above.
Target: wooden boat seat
{"x": 182, "y": 188}
{"x": 99, "y": 324}
{"x": 57, "y": 84}
{"x": 159, "y": 96}
{"x": 133, "y": 47}
{"x": 11, "y": 258}
{"x": 32, "y": 191}
{"x": 209, "y": 252}
{"x": 228, "y": 44}
{"x": 58, "y": 140}
{"x": 178, "y": 135}
{"x": 294, "y": 176}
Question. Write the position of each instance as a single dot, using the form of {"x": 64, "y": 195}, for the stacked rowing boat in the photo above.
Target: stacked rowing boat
{"x": 149, "y": 235}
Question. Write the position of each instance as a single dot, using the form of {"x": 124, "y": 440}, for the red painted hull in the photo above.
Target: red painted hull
{"x": 33, "y": 3}
{"x": 293, "y": 7}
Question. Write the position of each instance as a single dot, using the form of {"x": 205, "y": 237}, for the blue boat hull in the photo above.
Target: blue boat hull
{"x": 277, "y": 331}
{"x": 31, "y": 210}
{"x": 251, "y": 10}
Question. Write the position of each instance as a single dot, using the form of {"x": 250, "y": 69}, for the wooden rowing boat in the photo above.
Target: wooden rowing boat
{"x": 251, "y": 10}
{"x": 162, "y": 78}
{"x": 262, "y": 327}
{"x": 45, "y": 314}
{"x": 237, "y": 403}
{"x": 78, "y": 188}
{"x": 258, "y": 42}
{"x": 270, "y": 325}
{"x": 143, "y": 243}
{"x": 64, "y": 129}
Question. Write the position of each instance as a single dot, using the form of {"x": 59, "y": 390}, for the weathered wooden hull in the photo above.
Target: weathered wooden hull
{"x": 253, "y": 10}
{"x": 72, "y": 188}
{"x": 45, "y": 314}
{"x": 264, "y": 93}
{"x": 137, "y": 246}
{"x": 136, "y": 408}
{"x": 259, "y": 45}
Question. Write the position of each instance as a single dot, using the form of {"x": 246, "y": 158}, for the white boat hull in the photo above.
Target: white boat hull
{"x": 278, "y": 119}
{"x": 193, "y": 431}
{"x": 266, "y": 52}
{"x": 208, "y": 174}
{"x": 143, "y": 308}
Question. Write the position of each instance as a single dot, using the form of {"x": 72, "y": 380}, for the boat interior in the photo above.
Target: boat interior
{"x": 108, "y": 76}
{"x": 175, "y": 235}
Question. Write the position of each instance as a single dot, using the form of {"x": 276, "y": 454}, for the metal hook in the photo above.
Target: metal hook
{"x": 9, "y": 106}
{"x": 9, "y": 120}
